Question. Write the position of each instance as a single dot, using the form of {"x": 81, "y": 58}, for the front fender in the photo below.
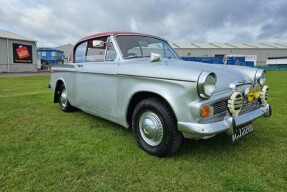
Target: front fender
{"x": 178, "y": 94}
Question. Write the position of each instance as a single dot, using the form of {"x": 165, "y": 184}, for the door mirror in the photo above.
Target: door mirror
{"x": 98, "y": 43}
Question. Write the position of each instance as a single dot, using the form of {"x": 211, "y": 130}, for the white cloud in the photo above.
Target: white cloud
{"x": 54, "y": 22}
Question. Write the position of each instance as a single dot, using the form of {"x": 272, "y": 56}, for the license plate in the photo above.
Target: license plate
{"x": 240, "y": 132}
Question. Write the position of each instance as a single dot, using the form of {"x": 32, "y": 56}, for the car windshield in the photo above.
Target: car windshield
{"x": 136, "y": 46}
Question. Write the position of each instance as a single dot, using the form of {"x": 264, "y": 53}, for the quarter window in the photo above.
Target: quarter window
{"x": 80, "y": 53}
{"x": 111, "y": 54}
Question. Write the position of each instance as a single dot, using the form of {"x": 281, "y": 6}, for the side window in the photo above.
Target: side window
{"x": 111, "y": 54}
{"x": 80, "y": 53}
{"x": 96, "y": 50}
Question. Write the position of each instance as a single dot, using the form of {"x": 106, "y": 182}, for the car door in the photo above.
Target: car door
{"x": 96, "y": 84}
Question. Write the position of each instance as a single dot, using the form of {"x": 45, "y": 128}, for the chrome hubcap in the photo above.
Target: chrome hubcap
{"x": 63, "y": 98}
{"x": 151, "y": 128}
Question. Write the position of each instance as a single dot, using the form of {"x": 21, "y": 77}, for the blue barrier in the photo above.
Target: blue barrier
{"x": 219, "y": 60}
{"x": 274, "y": 67}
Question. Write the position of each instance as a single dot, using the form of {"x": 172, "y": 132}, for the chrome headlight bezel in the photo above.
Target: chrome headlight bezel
{"x": 260, "y": 77}
{"x": 206, "y": 84}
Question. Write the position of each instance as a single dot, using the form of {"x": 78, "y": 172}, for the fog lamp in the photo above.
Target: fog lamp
{"x": 235, "y": 103}
{"x": 249, "y": 94}
{"x": 264, "y": 95}
{"x": 256, "y": 92}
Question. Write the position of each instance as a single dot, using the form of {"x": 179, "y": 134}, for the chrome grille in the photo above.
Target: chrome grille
{"x": 219, "y": 106}
{"x": 247, "y": 107}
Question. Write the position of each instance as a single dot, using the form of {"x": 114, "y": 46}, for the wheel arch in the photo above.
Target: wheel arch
{"x": 139, "y": 96}
{"x": 57, "y": 88}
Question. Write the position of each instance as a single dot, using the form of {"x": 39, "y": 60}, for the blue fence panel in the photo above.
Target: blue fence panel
{"x": 210, "y": 60}
{"x": 274, "y": 67}
{"x": 218, "y": 60}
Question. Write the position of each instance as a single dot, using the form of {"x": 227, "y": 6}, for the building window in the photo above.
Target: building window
{"x": 43, "y": 53}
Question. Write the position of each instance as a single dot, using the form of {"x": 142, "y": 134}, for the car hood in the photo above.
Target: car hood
{"x": 186, "y": 71}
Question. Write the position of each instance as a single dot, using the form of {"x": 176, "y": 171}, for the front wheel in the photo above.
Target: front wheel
{"x": 155, "y": 127}
{"x": 63, "y": 100}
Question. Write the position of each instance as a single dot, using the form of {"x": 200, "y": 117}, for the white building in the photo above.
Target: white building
{"x": 17, "y": 53}
{"x": 262, "y": 50}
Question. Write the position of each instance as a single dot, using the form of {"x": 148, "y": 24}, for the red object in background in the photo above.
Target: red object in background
{"x": 22, "y": 52}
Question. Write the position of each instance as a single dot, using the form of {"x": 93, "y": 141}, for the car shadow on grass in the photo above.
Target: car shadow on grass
{"x": 218, "y": 147}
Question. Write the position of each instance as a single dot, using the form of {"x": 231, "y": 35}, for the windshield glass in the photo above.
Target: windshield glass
{"x": 135, "y": 46}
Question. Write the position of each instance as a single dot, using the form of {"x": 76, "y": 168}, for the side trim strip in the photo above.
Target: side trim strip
{"x": 155, "y": 78}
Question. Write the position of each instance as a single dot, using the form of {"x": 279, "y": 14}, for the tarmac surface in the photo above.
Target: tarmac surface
{"x": 38, "y": 73}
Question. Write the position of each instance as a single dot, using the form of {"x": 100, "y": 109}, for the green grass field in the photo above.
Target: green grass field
{"x": 45, "y": 149}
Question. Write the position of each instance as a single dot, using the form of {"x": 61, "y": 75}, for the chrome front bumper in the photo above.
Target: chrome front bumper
{"x": 203, "y": 131}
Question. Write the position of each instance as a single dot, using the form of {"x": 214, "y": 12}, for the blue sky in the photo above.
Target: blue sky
{"x": 58, "y": 22}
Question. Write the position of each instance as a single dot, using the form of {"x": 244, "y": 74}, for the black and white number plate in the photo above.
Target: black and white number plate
{"x": 240, "y": 132}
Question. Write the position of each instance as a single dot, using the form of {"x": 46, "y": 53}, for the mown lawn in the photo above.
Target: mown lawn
{"x": 44, "y": 149}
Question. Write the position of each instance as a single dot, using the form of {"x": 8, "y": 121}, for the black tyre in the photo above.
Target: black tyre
{"x": 63, "y": 100}
{"x": 155, "y": 127}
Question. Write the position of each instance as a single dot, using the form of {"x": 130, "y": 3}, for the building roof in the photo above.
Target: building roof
{"x": 10, "y": 35}
{"x": 204, "y": 45}
{"x": 191, "y": 45}
{"x": 259, "y": 45}
{"x": 275, "y": 45}
{"x": 222, "y": 45}
{"x": 184, "y": 45}
{"x": 66, "y": 48}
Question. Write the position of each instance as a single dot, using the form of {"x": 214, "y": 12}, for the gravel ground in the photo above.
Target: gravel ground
{"x": 39, "y": 73}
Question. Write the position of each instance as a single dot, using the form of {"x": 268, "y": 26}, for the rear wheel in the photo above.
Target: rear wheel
{"x": 63, "y": 100}
{"x": 155, "y": 127}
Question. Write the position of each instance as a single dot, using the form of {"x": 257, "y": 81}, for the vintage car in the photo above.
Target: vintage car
{"x": 138, "y": 81}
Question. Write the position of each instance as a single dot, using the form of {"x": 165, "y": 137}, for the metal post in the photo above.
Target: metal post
{"x": 8, "y": 55}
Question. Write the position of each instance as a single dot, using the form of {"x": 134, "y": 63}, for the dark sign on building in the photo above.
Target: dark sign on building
{"x": 22, "y": 53}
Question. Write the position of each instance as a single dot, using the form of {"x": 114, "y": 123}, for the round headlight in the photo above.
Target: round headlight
{"x": 260, "y": 77}
{"x": 206, "y": 84}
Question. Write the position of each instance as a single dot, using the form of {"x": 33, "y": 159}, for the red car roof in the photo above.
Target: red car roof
{"x": 114, "y": 33}
{"x": 107, "y": 34}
